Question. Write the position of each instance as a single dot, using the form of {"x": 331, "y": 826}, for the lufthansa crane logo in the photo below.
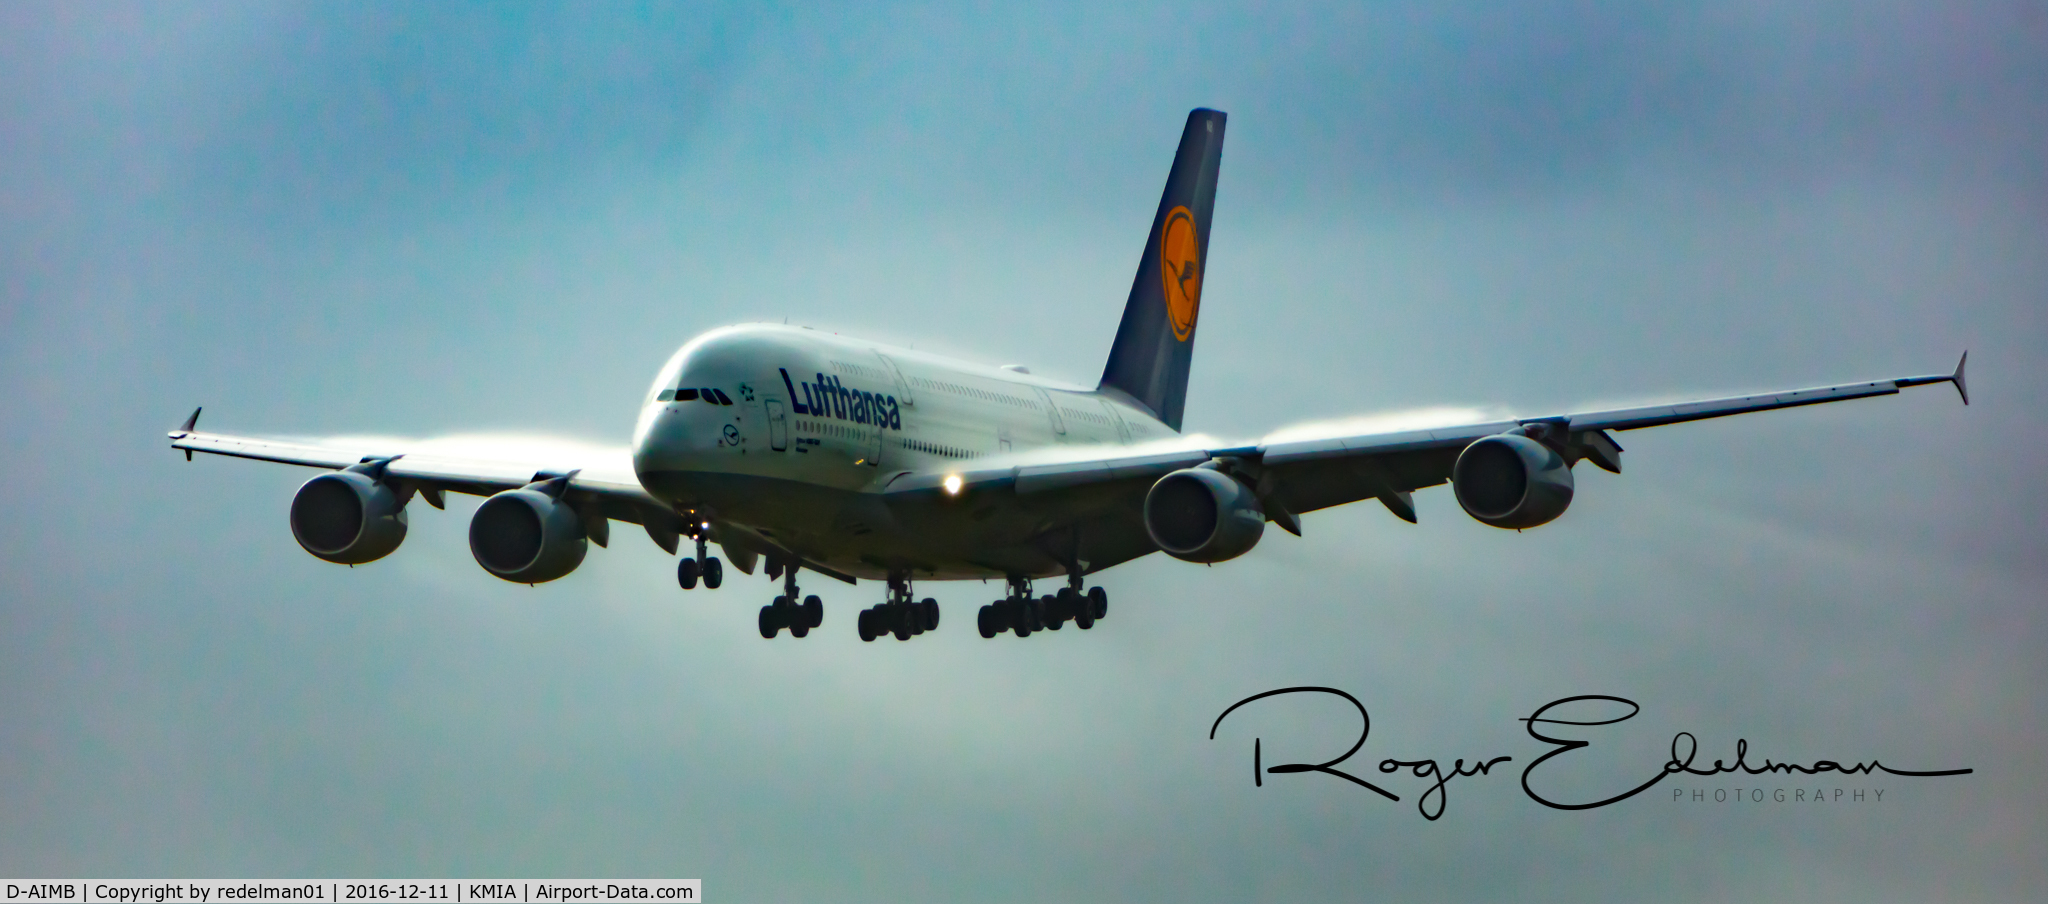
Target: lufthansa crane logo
{"x": 1180, "y": 271}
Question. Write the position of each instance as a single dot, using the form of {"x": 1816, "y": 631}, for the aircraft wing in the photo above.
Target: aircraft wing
{"x": 598, "y": 477}
{"x": 1300, "y": 476}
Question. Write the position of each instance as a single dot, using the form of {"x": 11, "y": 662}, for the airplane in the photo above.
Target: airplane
{"x": 796, "y": 449}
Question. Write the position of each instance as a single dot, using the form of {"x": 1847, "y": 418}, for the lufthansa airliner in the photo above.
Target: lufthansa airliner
{"x": 798, "y": 450}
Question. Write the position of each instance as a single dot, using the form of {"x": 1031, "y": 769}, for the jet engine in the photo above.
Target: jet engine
{"x": 1511, "y": 481}
{"x": 528, "y": 535}
{"x": 1203, "y": 515}
{"x": 348, "y": 517}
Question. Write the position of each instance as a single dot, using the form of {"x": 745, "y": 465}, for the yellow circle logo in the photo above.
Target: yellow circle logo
{"x": 1180, "y": 271}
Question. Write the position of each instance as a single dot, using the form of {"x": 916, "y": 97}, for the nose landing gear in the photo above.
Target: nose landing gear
{"x": 899, "y": 614}
{"x": 1023, "y": 614}
{"x": 688, "y": 571}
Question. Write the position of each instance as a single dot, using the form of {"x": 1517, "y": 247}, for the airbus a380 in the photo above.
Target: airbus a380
{"x": 799, "y": 450}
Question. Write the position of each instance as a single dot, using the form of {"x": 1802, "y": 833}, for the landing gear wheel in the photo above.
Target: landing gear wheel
{"x": 790, "y": 615}
{"x": 867, "y": 625}
{"x": 901, "y": 626}
{"x": 1098, "y": 599}
{"x": 1041, "y": 615}
{"x": 714, "y": 574}
{"x": 813, "y": 611}
{"x": 929, "y": 611}
{"x": 985, "y": 622}
{"x": 686, "y": 574}
{"x": 769, "y": 624}
{"x": 1059, "y": 608}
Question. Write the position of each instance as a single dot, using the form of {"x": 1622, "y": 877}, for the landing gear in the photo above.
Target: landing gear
{"x": 786, "y": 612}
{"x": 899, "y": 614}
{"x": 703, "y": 566}
{"x": 1090, "y": 606}
{"x": 1022, "y": 614}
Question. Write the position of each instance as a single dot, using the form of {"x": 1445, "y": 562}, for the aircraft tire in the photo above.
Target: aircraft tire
{"x": 714, "y": 573}
{"x": 768, "y": 623}
{"x": 686, "y": 574}
{"x": 814, "y": 610}
{"x": 867, "y": 625}
{"x": 1098, "y": 599}
{"x": 929, "y": 611}
{"x": 985, "y": 622}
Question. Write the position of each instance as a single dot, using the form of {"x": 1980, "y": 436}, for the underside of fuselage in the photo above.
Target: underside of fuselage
{"x": 862, "y": 535}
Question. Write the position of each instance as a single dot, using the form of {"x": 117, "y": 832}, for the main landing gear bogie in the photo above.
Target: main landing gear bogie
{"x": 786, "y": 612}
{"x": 899, "y": 614}
{"x": 1023, "y": 614}
{"x": 799, "y": 618}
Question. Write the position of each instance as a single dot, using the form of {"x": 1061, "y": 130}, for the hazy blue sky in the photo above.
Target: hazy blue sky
{"x": 423, "y": 219}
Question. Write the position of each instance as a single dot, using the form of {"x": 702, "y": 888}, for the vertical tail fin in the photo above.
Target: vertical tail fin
{"x": 1156, "y": 341}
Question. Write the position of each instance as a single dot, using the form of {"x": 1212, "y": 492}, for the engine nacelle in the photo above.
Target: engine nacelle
{"x": 1511, "y": 481}
{"x": 348, "y": 518}
{"x": 1203, "y": 515}
{"x": 527, "y": 537}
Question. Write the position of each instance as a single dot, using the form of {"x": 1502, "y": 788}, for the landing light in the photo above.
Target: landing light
{"x": 952, "y": 483}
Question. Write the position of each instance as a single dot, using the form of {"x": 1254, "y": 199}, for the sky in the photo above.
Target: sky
{"x": 424, "y": 220}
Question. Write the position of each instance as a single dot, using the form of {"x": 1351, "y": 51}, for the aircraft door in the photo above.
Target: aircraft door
{"x": 1052, "y": 410}
{"x": 1123, "y": 430}
{"x": 778, "y": 427}
{"x": 904, "y": 394}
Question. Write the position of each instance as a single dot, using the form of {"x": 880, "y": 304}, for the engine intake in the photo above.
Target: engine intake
{"x": 1511, "y": 481}
{"x": 1203, "y": 515}
{"x": 527, "y": 536}
{"x": 348, "y": 518}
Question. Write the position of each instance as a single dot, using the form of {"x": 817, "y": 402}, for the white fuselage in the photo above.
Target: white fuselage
{"x": 819, "y": 424}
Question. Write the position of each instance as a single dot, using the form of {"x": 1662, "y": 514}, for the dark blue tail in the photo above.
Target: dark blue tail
{"x": 1149, "y": 362}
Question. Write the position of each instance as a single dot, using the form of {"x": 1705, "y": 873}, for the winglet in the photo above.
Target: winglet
{"x": 1962, "y": 389}
{"x": 190, "y": 424}
{"x": 1957, "y": 378}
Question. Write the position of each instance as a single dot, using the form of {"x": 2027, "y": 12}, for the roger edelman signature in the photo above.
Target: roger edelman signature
{"x": 1684, "y": 751}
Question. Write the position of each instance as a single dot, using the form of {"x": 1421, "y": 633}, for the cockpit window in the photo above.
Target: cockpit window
{"x": 723, "y": 399}
{"x": 686, "y": 395}
{"x": 667, "y": 395}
